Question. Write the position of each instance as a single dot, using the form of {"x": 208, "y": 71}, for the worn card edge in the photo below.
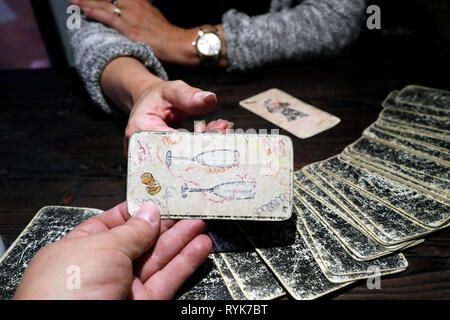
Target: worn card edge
{"x": 412, "y": 87}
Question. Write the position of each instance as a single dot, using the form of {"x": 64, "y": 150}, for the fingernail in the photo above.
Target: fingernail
{"x": 202, "y": 95}
{"x": 148, "y": 212}
{"x": 230, "y": 125}
{"x": 86, "y": 9}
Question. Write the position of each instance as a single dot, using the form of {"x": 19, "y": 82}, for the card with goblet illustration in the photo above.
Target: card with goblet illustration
{"x": 210, "y": 175}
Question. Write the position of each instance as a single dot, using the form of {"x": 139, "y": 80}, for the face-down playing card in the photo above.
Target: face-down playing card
{"x": 424, "y": 97}
{"x": 284, "y": 251}
{"x": 420, "y": 207}
{"x": 211, "y": 176}
{"x": 385, "y": 224}
{"x": 357, "y": 242}
{"x": 335, "y": 262}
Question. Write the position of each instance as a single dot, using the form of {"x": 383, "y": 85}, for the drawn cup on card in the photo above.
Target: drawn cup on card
{"x": 235, "y": 190}
{"x": 219, "y": 158}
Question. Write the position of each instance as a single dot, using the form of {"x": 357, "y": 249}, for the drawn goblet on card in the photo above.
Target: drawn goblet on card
{"x": 235, "y": 190}
{"x": 220, "y": 158}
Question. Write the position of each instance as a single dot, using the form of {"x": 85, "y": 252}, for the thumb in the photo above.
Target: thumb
{"x": 189, "y": 99}
{"x": 139, "y": 233}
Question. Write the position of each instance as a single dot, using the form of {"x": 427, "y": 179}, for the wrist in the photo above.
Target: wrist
{"x": 124, "y": 79}
{"x": 142, "y": 84}
{"x": 185, "y": 51}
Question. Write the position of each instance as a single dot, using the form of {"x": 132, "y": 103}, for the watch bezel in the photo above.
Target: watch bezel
{"x": 201, "y": 33}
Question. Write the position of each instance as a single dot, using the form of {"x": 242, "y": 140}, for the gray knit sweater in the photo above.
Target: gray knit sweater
{"x": 291, "y": 30}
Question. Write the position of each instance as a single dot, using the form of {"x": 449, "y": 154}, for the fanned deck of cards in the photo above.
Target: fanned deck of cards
{"x": 355, "y": 212}
{"x": 351, "y": 215}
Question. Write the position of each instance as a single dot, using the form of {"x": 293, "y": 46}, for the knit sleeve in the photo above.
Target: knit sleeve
{"x": 311, "y": 29}
{"x": 95, "y": 45}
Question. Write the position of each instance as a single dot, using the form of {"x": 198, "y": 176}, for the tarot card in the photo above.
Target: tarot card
{"x": 284, "y": 251}
{"x": 205, "y": 284}
{"x": 226, "y": 237}
{"x": 401, "y": 143}
{"x": 392, "y": 102}
{"x": 48, "y": 225}
{"x": 414, "y": 128}
{"x": 418, "y": 206}
{"x": 289, "y": 113}
{"x": 441, "y": 125}
{"x": 370, "y": 215}
{"x": 211, "y": 176}
{"x": 394, "y": 224}
{"x": 396, "y": 156}
{"x": 230, "y": 281}
{"x": 431, "y": 142}
{"x": 439, "y": 185}
{"x": 250, "y": 273}
{"x": 435, "y": 188}
{"x": 425, "y": 97}
{"x": 357, "y": 243}
{"x": 403, "y": 115}
{"x": 337, "y": 265}
{"x": 52, "y": 223}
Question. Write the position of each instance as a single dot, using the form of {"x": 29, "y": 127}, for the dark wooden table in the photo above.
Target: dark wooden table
{"x": 58, "y": 149}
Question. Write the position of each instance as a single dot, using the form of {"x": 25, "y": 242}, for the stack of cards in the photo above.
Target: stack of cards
{"x": 355, "y": 212}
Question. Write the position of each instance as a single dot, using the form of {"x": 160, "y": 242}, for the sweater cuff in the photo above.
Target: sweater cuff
{"x": 93, "y": 68}
{"x": 233, "y": 24}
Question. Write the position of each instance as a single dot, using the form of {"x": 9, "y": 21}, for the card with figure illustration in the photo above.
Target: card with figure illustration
{"x": 210, "y": 175}
{"x": 289, "y": 113}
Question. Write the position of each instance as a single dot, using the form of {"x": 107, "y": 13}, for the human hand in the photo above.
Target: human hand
{"x": 141, "y": 21}
{"x": 118, "y": 257}
{"x": 163, "y": 103}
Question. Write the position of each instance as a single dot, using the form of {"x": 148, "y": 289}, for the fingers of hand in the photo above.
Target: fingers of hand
{"x": 165, "y": 283}
{"x": 102, "y": 222}
{"x": 168, "y": 246}
{"x": 103, "y": 11}
{"x": 200, "y": 126}
{"x": 189, "y": 99}
{"x": 219, "y": 126}
{"x": 138, "y": 234}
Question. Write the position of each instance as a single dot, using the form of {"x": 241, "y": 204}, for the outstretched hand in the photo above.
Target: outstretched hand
{"x": 163, "y": 104}
{"x": 118, "y": 257}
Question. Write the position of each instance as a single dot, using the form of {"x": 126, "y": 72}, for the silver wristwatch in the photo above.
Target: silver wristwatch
{"x": 208, "y": 45}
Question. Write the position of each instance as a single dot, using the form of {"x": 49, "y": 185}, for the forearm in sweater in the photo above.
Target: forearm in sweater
{"x": 311, "y": 29}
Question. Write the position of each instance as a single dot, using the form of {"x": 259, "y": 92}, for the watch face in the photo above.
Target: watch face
{"x": 209, "y": 44}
